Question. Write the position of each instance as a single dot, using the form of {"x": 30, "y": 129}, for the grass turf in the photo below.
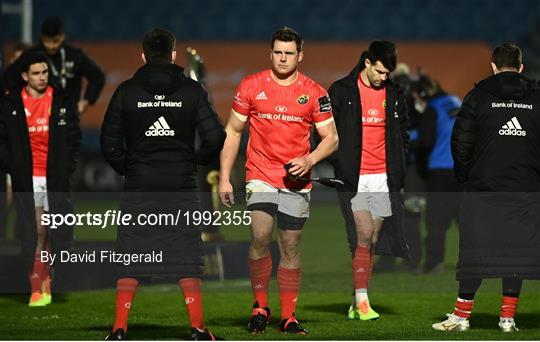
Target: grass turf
{"x": 408, "y": 303}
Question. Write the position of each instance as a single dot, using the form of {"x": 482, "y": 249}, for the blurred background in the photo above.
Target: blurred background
{"x": 449, "y": 40}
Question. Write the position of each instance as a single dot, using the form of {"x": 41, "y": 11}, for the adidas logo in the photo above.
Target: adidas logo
{"x": 160, "y": 128}
{"x": 512, "y": 127}
{"x": 261, "y": 96}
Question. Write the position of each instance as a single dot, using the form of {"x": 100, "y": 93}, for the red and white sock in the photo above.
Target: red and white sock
{"x": 362, "y": 266}
{"x": 192, "y": 289}
{"x": 509, "y": 306}
{"x": 125, "y": 292}
{"x": 463, "y": 308}
{"x": 260, "y": 271}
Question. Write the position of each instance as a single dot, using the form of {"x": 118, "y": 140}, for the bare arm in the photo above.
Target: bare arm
{"x": 234, "y": 129}
{"x": 327, "y": 146}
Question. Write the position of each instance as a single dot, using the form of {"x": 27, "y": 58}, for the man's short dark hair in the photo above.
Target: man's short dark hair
{"x": 384, "y": 52}
{"x": 32, "y": 57}
{"x": 52, "y": 27}
{"x": 287, "y": 34}
{"x": 158, "y": 45}
{"x": 507, "y": 56}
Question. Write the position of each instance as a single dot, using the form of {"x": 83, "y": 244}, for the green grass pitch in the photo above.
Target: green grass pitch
{"x": 408, "y": 303}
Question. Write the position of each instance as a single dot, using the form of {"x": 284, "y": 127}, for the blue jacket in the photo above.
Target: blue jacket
{"x": 436, "y": 130}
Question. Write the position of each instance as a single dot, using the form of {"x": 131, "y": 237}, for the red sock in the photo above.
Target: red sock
{"x": 46, "y": 279}
{"x": 125, "y": 292}
{"x": 191, "y": 287}
{"x": 509, "y": 306}
{"x": 260, "y": 271}
{"x": 36, "y": 274}
{"x": 362, "y": 265}
{"x": 463, "y": 308}
{"x": 289, "y": 284}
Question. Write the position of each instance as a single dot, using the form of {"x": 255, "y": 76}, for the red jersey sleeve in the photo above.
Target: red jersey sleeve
{"x": 242, "y": 98}
{"x": 322, "y": 110}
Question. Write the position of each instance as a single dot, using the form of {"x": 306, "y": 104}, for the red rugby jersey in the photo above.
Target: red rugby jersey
{"x": 280, "y": 119}
{"x": 38, "y": 112}
{"x": 373, "y": 102}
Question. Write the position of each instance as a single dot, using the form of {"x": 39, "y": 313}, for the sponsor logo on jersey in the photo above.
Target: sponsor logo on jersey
{"x": 324, "y": 104}
{"x": 159, "y": 97}
{"x": 513, "y": 127}
{"x": 373, "y": 112}
{"x": 160, "y": 128}
{"x": 281, "y": 109}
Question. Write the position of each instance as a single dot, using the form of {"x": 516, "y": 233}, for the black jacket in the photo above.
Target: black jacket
{"x": 496, "y": 151}
{"x": 491, "y": 153}
{"x": 148, "y": 133}
{"x": 16, "y": 159}
{"x": 347, "y": 109}
{"x": 69, "y": 63}
{"x": 64, "y": 142}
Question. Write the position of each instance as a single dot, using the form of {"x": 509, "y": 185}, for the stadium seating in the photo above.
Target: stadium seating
{"x": 487, "y": 20}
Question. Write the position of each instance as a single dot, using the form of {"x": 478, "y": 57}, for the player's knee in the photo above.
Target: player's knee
{"x": 260, "y": 243}
{"x": 289, "y": 246}
{"x": 289, "y": 252}
{"x": 365, "y": 238}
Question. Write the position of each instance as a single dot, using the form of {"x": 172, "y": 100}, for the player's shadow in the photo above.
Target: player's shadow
{"x": 17, "y": 298}
{"x": 488, "y": 321}
{"x": 139, "y": 331}
{"x": 227, "y": 322}
{"x": 341, "y": 308}
{"x": 23, "y": 298}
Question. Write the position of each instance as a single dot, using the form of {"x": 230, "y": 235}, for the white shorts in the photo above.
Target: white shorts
{"x": 290, "y": 202}
{"x": 40, "y": 192}
{"x": 373, "y": 195}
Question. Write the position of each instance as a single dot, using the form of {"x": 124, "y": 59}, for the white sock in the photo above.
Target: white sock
{"x": 360, "y": 296}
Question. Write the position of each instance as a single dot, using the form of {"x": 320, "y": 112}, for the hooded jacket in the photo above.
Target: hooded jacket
{"x": 496, "y": 150}
{"x": 148, "y": 134}
{"x": 347, "y": 109}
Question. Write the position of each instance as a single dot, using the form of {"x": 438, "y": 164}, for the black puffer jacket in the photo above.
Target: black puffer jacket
{"x": 347, "y": 110}
{"x": 496, "y": 151}
{"x": 148, "y": 135}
